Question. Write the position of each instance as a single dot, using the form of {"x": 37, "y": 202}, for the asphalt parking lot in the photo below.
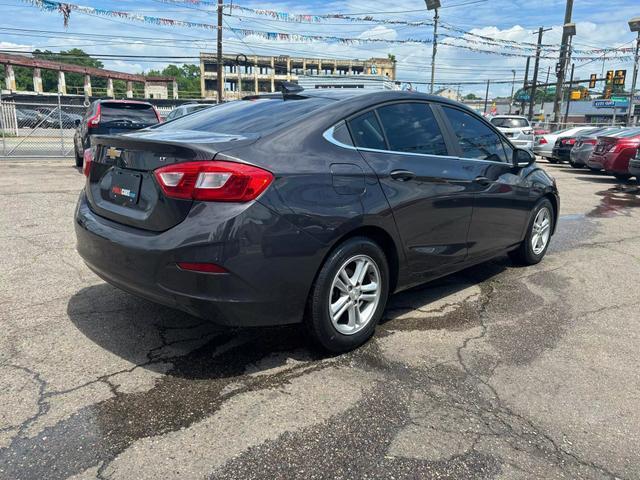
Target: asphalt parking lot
{"x": 496, "y": 372}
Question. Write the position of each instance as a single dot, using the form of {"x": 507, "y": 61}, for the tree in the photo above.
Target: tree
{"x": 471, "y": 96}
{"x": 74, "y": 81}
{"x": 187, "y": 76}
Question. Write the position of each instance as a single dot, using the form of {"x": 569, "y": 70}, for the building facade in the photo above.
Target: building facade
{"x": 246, "y": 75}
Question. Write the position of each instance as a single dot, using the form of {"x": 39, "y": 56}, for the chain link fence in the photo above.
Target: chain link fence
{"x": 36, "y": 130}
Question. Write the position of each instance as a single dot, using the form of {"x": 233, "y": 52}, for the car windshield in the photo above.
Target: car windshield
{"x": 510, "y": 122}
{"x": 128, "y": 112}
{"x": 246, "y": 116}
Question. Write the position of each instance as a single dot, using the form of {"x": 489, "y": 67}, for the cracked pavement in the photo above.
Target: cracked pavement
{"x": 496, "y": 372}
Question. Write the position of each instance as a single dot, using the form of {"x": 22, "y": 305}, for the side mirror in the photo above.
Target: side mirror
{"x": 523, "y": 158}
{"x": 76, "y": 122}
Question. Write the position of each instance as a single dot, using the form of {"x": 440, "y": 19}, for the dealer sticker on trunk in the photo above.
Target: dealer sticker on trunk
{"x": 125, "y": 192}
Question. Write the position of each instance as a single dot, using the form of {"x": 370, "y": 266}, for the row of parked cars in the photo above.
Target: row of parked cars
{"x": 44, "y": 117}
{"x": 613, "y": 150}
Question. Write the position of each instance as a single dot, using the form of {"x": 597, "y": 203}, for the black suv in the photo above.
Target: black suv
{"x": 109, "y": 117}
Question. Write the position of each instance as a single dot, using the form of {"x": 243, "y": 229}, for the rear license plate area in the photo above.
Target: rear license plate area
{"x": 125, "y": 187}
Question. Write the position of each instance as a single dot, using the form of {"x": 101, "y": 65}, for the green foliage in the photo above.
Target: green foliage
{"x": 471, "y": 96}
{"x": 187, "y": 76}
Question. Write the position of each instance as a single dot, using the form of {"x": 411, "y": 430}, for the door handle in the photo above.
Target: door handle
{"x": 482, "y": 181}
{"x": 402, "y": 175}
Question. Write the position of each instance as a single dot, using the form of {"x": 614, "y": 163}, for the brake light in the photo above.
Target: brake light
{"x": 542, "y": 141}
{"x": 568, "y": 141}
{"x": 214, "y": 181}
{"x": 95, "y": 120}
{"x": 157, "y": 114}
{"x": 590, "y": 141}
{"x": 87, "y": 159}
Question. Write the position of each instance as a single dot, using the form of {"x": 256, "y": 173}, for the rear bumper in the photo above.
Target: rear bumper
{"x": 542, "y": 150}
{"x": 528, "y": 144}
{"x": 595, "y": 161}
{"x": 270, "y": 263}
{"x": 580, "y": 156}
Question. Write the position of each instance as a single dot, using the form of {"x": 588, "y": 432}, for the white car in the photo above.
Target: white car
{"x": 543, "y": 146}
{"x": 516, "y": 128}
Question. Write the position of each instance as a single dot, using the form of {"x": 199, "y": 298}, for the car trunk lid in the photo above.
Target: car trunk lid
{"x": 120, "y": 180}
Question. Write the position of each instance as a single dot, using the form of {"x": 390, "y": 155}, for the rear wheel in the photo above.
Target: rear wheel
{"x": 79, "y": 158}
{"x": 534, "y": 247}
{"x": 551, "y": 160}
{"x": 349, "y": 296}
{"x": 574, "y": 164}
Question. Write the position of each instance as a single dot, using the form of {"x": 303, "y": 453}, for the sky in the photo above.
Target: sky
{"x": 600, "y": 24}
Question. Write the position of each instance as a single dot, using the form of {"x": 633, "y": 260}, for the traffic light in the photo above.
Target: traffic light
{"x": 620, "y": 77}
{"x": 610, "y": 76}
{"x": 576, "y": 95}
{"x": 592, "y": 80}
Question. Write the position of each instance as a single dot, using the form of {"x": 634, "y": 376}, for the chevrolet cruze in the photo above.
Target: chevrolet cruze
{"x": 308, "y": 207}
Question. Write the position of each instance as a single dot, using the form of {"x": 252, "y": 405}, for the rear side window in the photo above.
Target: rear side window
{"x": 412, "y": 128}
{"x": 246, "y": 116}
{"x": 134, "y": 112}
{"x": 510, "y": 122}
{"x": 476, "y": 139}
{"x": 366, "y": 132}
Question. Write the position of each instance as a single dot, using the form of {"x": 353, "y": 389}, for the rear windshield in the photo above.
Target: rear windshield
{"x": 134, "y": 112}
{"x": 510, "y": 122}
{"x": 246, "y": 116}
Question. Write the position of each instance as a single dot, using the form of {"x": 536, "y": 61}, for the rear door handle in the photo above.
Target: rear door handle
{"x": 482, "y": 181}
{"x": 402, "y": 175}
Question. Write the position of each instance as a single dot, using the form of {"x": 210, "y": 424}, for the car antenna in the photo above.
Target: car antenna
{"x": 290, "y": 90}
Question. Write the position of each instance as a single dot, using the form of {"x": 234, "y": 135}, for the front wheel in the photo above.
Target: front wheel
{"x": 551, "y": 160}
{"x": 534, "y": 247}
{"x": 349, "y": 295}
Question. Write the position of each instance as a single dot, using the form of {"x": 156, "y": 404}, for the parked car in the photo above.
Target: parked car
{"x": 111, "y": 117}
{"x": 544, "y": 144}
{"x": 52, "y": 117}
{"x": 612, "y": 153}
{"x": 516, "y": 128}
{"x": 634, "y": 166}
{"x": 585, "y": 142}
{"x": 26, "y": 118}
{"x": 183, "y": 110}
{"x": 314, "y": 209}
{"x": 564, "y": 145}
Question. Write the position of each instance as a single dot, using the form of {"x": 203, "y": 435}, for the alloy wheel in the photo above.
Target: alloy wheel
{"x": 541, "y": 231}
{"x": 355, "y": 294}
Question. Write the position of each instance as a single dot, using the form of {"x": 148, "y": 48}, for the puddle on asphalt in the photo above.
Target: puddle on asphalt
{"x": 617, "y": 201}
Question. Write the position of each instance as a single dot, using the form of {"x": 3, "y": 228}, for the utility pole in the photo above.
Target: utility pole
{"x": 567, "y": 32}
{"x": 566, "y": 113}
{"x": 546, "y": 84}
{"x": 434, "y": 5}
{"x": 525, "y": 85}
{"x": 634, "y": 25}
{"x": 220, "y": 65}
{"x": 534, "y": 85}
{"x": 513, "y": 87}
{"x": 486, "y": 97}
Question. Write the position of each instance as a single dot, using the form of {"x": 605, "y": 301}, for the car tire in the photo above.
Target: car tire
{"x": 79, "y": 158}
{"x": 574, "y": 164}
{"x": 551, "y": 160}
{"x": 594, "y": 170}
{"x": 340, "y": 332}
{"x": 623, "y": 177}
{"x": 526, "y": 253}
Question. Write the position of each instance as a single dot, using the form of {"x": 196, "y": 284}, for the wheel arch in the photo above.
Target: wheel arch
{"x": 556, "y": 209}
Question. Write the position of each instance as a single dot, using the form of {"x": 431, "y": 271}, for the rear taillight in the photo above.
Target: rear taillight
{"x": 590, "y": 141}
{"x": 213, "y": 181}
{"x": 568, "y": 141}
{"x": 87, "y": 159}
{"x": 542, "y": 141}
{"x": 95, "y": 120}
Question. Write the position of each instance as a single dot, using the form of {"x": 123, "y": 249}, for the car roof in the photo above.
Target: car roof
{"x": 137, "y": 102}
{"x": 510, "y": 116}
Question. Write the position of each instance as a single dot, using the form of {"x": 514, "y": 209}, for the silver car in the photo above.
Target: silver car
{"x": 544, "y": 143}
{"x": 516, "y": 128}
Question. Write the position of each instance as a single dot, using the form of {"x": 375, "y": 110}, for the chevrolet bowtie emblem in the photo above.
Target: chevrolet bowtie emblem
{"x": 113, "y": 153}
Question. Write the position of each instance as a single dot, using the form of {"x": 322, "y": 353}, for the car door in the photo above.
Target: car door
{"x": 502, "y": 200}
{"x": 429, "y": 191}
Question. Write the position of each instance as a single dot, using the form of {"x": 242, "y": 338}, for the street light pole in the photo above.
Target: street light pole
{"x": 634, "y": 25}
{"x": 513, "y": 87}
{"x": 568, "y": 30}
{"x": 434, "y": 5}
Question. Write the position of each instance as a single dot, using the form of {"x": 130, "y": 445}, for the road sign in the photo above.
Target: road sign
{"x": 604, "y": 103}
{"x": 620, "y": 99}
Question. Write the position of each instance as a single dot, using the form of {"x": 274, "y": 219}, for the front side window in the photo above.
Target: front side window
{"x": 366, "y": 132}
{"x": 412, "y": 128}
{"x": 476, "y": 139}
